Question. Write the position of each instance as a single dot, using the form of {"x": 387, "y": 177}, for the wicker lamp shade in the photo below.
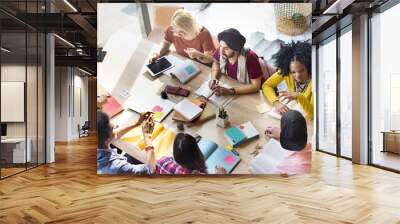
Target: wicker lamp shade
{"x": 292, "y": 18}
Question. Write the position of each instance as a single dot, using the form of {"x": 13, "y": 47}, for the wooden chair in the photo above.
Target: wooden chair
{"x": 162, "y": 19}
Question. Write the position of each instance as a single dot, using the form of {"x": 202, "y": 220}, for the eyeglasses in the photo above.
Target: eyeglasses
{"x": 180, "y": 32}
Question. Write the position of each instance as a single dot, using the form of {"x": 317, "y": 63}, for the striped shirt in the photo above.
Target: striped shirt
{"x": 167, "y": 165}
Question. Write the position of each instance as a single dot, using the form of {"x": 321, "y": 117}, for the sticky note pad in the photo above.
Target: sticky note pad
{"x": 189, "y": 69}
{"x": 262, "y": 108}
{"x": 157, "y": 109}
{"x": 229, "y": 147}
{"x": 158, "y": 115}
{"x": 229, "y": 159}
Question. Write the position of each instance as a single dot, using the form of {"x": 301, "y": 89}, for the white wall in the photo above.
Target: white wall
{"x": 61, "y": 103}
{"x": 69, "y": 81}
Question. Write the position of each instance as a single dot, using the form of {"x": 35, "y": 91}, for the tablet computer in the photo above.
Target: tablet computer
{"x": 160, "y": 65}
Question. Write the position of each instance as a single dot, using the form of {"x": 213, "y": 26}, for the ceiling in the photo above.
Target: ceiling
{"x": 74, "y": 21}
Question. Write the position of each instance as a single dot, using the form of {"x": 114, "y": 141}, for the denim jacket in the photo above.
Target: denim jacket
{"x": 110, "y": 162}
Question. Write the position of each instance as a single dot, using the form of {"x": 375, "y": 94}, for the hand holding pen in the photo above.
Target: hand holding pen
{"x": 213, "y": 84}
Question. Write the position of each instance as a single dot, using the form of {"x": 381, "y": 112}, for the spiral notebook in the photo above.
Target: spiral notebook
{"x": 217, "y": 156}
{"x": 184, "y": 70}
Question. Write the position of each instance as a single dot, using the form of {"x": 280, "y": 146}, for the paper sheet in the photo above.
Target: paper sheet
{"x": 263, "y": 107}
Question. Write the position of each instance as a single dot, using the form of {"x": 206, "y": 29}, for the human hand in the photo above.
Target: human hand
{"x": 101, "y": 100}
{"x": 192, "y": 53}
{"x": 280, "y": 107}
{"x": 288, "y": 96}
{"x": 154, "y": 58}
{"x": 220, "y": 91}
{"x": 273, "y": 132}
{"x": 220, "y": 170}
{"x": 212, "y": 84}
{"x": 147, "y": 121}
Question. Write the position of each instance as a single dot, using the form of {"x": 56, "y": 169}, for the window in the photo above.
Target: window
{"x": 326, "y": 87}
{"x": 346, "y": 94}
{"x": 385, "y": 89}
{"x": 22, "y": 76}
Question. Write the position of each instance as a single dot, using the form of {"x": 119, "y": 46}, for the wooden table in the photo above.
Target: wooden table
{"x": 391, "y": 141}
{"x": 134, "y": 75}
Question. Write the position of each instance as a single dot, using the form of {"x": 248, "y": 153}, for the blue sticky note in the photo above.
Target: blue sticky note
{"x": 190, "y": 69}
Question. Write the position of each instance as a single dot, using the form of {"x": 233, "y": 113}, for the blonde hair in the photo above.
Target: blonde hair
{"x": 185, "y": 20}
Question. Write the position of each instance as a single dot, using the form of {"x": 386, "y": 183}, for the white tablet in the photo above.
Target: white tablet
{"x": 159, "y": 66}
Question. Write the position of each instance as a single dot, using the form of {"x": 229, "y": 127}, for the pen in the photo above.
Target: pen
{"x": 235, "y": 152}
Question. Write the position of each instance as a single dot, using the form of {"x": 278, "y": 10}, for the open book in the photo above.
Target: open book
{"x": 184, "y": 70}
{"x": 215, "y": 155}
{"x": 162, "y": 139}
{"x": 268, "y": 160}
{"x": 153, "y": 103}
{"x": 293, "y": 105}
{"x": 205, "y": 91}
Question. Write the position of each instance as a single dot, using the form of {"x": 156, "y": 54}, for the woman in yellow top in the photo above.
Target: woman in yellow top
{"x": 294, "y": 68}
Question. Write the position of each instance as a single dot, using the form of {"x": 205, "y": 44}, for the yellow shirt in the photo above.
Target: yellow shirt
{"x": 305, "y": 99}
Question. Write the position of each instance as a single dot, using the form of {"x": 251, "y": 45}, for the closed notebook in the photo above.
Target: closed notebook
{"x": 240, "y": 134}
{"x": 208, "y": 113}
{"x": 217, "y": 156}
{"x": 184, "y": 70}
{"x": 112, "y": 107}
{"x": 188, "y": 109}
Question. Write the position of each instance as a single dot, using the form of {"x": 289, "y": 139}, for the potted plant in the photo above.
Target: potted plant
{"x": 222, "y": 118}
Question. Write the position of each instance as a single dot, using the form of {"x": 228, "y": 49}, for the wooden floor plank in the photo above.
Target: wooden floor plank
{"x": 70, "y": 191}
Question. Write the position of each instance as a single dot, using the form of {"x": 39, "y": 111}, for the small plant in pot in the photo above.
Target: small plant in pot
{"x": 222, "y": 118}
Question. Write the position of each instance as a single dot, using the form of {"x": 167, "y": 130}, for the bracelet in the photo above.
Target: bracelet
{"x": 234, "y": 91}
{"x": 148, "y": 148}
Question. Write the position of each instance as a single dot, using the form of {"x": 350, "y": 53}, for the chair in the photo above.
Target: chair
{"x": 84, "y": 130}
{"x": 162, "y": 20}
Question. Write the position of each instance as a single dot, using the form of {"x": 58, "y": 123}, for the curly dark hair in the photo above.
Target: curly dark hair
{"x": 295, "y": 51}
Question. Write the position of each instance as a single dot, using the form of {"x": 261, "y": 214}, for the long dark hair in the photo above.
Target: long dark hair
{"x": 187, "y": 153}
{"x": 104, "y": 130}
{"x": 295, "y": 51}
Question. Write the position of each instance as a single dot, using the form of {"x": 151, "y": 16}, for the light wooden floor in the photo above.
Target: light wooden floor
{"x": 69, "y": 191}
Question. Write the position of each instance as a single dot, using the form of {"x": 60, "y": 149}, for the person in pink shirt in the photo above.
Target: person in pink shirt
{"x": 189, "y": 38}
{"x": 293, "y": 138}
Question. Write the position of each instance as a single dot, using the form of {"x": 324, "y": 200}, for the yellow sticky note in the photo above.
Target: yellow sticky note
{"x": 229, "y": 147}
{"x": 262, "y": 108}
{"x": 158, "y": 115}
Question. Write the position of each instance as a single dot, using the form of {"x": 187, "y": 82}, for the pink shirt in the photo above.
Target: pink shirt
{"x": 203, "y": 41}
{"x": 296, "y": 162}
{"x": 252, "y": 65}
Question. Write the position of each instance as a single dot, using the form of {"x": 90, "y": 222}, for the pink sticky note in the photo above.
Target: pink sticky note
{"x": 157, "y": 109}
{"x": 229, "y": 159}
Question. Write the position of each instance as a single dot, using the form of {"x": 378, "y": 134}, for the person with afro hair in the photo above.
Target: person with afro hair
{"x": 293, "y": 62}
